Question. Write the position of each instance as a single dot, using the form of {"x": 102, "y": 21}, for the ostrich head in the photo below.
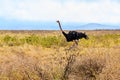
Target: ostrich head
{"x": 57, "y": 21}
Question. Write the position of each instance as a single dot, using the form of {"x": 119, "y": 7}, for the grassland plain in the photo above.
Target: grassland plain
{"x": 43, "y": 55}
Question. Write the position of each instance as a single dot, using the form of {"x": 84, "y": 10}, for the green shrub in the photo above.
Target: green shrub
{"x": 50, "y": 41}
{"x": 107, "y": 40}
{"x": 31, "y": 39}
{"x": 9, "y": 40}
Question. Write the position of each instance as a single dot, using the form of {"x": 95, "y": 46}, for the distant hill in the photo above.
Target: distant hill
{"x": 89, "y": 26}
{"x": 95, "y": 26}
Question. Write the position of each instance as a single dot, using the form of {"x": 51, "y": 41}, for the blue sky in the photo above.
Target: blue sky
{"x": 24, "y": 12}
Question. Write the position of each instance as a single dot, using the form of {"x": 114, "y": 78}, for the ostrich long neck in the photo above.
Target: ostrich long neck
{"x": 60, "y": 26}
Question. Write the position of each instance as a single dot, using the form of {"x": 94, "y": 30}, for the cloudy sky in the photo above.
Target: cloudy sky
{"x": 83, "y": 11}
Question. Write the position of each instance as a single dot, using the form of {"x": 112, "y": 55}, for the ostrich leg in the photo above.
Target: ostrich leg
{"x": 75, "y": 44}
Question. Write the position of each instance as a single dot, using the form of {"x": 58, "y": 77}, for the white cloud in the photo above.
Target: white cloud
{"x": 105, "y": 11}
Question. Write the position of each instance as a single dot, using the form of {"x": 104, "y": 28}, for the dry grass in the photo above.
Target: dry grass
{"x": 96, "y": 64}
{"x": 90, "y": 61}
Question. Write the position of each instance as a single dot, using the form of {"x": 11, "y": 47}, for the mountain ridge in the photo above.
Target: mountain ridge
{"x": 94, "y": 26}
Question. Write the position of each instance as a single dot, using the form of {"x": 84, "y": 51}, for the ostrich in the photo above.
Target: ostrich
{"x": 72, "y": 35}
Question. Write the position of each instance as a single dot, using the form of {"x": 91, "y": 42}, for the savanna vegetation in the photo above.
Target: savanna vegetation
{"x": 44, "y": 55}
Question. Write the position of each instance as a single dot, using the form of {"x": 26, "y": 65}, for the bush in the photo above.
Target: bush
{"x": 83, "y": 69}
{"x": 50, "y": 41}
{"x": 9, "y": 40}
{"x": 31, "y": 39}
